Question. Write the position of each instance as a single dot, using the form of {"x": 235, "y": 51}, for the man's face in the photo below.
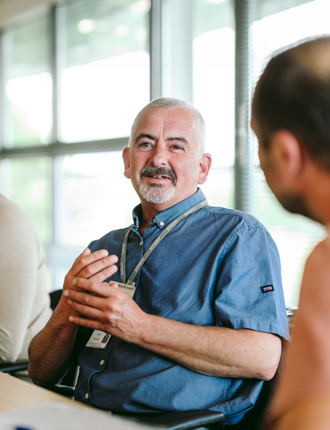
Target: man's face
{"x": 290, "y": 199}
{"x": 163, "y": 161}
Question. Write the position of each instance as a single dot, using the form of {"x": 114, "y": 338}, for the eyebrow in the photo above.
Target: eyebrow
{"x": 151, "y": 137}
{"x": 180, "y": 139}
{"x": 142, "y": 135}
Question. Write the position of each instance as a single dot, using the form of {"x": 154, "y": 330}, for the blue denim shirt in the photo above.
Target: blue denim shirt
{"x": 218, "y": 267}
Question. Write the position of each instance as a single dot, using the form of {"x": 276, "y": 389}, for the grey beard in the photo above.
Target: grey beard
{"x": 154, "y": 193}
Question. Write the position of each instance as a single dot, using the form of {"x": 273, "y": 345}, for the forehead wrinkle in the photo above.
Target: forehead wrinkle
{"x": 164, "y": 121}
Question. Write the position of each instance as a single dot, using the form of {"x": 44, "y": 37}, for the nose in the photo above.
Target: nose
{"x": 159, "y": 155}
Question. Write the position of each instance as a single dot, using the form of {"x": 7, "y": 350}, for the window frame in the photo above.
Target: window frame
{"x": 59, "y": 255}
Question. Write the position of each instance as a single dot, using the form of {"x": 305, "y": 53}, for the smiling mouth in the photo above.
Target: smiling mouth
{"x": 157, "y": 177}
{"x": 158, "y": 174}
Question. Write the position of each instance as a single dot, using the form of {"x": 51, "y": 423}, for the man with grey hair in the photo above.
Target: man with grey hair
{"x": 195, "y": 315}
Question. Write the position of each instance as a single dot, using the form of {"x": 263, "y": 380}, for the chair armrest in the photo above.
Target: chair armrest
{"x": 186, "y": 420}
{"x": 7, "y": 367}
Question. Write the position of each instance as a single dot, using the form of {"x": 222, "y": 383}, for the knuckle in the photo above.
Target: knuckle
{"x": 82, "y": 262}
{"x": 94, "y": 286}
{"x": 110, "y": 309}
{"x": 109, "y": 318}
{"x": 105, "y": 262}
{"x": 107, "y": 272}
{"x": 87, "y": 270}
{"x": 66, "y": 279}
{"x": 118, "y": 294}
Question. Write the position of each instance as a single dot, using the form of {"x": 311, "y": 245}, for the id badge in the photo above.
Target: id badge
{"x": 100, "y": 339}
{"x": 129, "y": 289}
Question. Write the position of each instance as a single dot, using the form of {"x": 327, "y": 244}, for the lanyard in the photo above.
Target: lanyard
{"x": 153, "y": 245}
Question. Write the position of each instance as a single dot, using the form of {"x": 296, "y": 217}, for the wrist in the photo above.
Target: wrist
{"x": 148, "y": 330}
{"x": 60, "y": 317}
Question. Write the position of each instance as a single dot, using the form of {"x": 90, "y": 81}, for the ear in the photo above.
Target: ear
{"x": 127, "y": 161}
{"x": 205, "y": 166}
{"x": 286, "y": 153}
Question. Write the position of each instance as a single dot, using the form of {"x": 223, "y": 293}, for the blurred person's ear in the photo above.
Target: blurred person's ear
{"x": 287, "y": 155}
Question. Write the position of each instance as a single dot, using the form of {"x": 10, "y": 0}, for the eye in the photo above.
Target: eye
{"x": 177, "y": 147}
{"x": 144, "y": 144}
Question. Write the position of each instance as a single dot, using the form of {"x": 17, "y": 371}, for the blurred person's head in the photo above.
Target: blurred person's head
{"x": 291, "y": 119}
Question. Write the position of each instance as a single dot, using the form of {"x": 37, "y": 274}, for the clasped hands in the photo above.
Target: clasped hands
{"x": 96, "y": 304}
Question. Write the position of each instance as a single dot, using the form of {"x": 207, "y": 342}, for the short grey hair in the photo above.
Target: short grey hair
{"x": 172, "y": 103}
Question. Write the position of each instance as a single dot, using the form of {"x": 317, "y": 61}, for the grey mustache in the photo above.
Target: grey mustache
{"x": 151, "y": 171}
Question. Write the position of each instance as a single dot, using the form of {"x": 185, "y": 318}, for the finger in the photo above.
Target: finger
{"x": 94, "y": 318}
{"x": 104, "y": 274}
{"x": 101, "y": 289}
{"x": 87, "y": 311}
{"x": 88, "y": 323}
{"x": 86, "y": 299}
{"x": 86, "y": 258}
{"x": 100, "y": 269}
{"x": 105, "y": 320}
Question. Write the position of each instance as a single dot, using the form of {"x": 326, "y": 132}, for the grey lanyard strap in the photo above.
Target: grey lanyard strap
{"x": 153, "y": 245}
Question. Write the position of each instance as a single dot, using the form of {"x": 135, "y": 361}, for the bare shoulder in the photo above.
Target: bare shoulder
{"x": 320, "y": 256}
{"x": 315, "y": 287}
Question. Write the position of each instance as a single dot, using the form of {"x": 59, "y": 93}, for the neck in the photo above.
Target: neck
{"x": 147, "y": 215}
{"x": 317, "y": 196}
{"x": 149, "y": 210}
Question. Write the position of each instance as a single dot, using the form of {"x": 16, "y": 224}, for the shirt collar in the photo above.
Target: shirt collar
{"x": 162, "y": 219}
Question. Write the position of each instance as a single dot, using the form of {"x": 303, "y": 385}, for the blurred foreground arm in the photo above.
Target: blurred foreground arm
{"x": 306, "y": 373}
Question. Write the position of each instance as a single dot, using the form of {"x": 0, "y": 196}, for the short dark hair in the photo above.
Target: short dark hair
{"x": 293, "y": 93}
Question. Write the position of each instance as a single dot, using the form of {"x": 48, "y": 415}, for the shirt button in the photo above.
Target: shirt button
{"x": 101, "y": 362}
{"x": 141, "y": 243}
{"x": 162, "y": 223}
{"x": 154, "y": 221}
{"x": 86, "y": 396}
